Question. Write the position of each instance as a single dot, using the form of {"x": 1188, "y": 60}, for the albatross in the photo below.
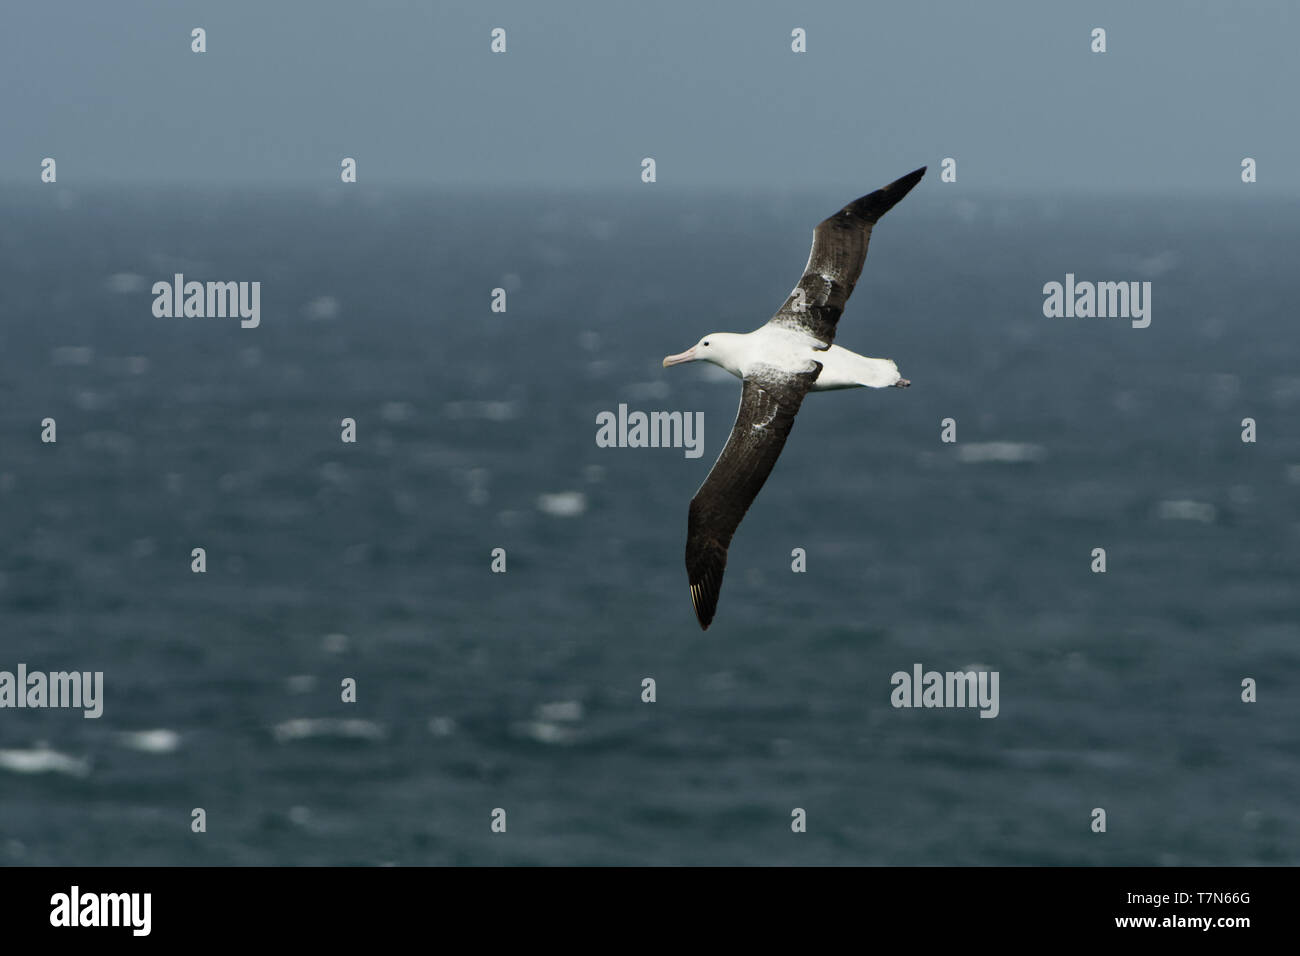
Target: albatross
{"x": 778, "y": 364}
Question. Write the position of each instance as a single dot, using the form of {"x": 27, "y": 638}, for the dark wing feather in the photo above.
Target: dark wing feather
{"x": 769, "y": 400}
{"x": 838, "y": 250}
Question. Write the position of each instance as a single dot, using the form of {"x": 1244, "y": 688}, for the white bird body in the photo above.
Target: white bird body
{"x": 771, "y": 346}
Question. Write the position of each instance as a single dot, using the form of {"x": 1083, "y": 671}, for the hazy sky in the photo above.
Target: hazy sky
{"x": 712, "y": 91}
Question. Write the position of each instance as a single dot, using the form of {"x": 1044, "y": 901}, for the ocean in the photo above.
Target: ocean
{"x": 477, "y": 691}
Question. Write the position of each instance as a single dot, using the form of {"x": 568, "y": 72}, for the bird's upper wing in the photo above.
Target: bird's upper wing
{"x": 769, "y": 400}
{"x": 839, "y": 248}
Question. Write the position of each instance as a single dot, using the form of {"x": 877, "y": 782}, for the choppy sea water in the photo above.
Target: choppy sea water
{"x": 523, "y": 690}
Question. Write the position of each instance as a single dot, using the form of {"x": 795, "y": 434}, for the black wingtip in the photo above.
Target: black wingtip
{"x": 901, "y": 186}
{"x": 871, "y": 207}
{"x": 705, "y": 600}
{"x": 703, "y": 597}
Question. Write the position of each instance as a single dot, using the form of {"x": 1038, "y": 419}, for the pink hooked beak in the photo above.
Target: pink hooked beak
{"x": 687, "y": 356}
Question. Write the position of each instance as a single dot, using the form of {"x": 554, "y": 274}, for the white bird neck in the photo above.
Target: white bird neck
{"x": 729, "y": 350}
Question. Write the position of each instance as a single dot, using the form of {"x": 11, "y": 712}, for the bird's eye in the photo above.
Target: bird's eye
{"x": 706, "y": 341}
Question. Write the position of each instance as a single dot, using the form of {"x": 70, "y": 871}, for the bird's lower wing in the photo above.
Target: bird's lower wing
{"x": 769, "y": 400}
{"x": 839, "y": 249}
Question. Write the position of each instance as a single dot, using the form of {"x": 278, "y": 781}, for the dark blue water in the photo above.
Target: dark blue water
{"x": 522, "y": 690}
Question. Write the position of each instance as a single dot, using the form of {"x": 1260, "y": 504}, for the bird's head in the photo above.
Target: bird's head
{"x": 717, "y": 347}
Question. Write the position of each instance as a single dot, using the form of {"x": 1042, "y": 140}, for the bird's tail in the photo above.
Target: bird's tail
{"x": 877, "y": 373}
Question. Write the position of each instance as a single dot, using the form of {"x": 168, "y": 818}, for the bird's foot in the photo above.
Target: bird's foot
{"x": 902, "y": 383}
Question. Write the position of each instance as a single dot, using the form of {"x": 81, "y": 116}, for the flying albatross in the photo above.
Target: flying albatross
{"x": 779, "y": 364}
